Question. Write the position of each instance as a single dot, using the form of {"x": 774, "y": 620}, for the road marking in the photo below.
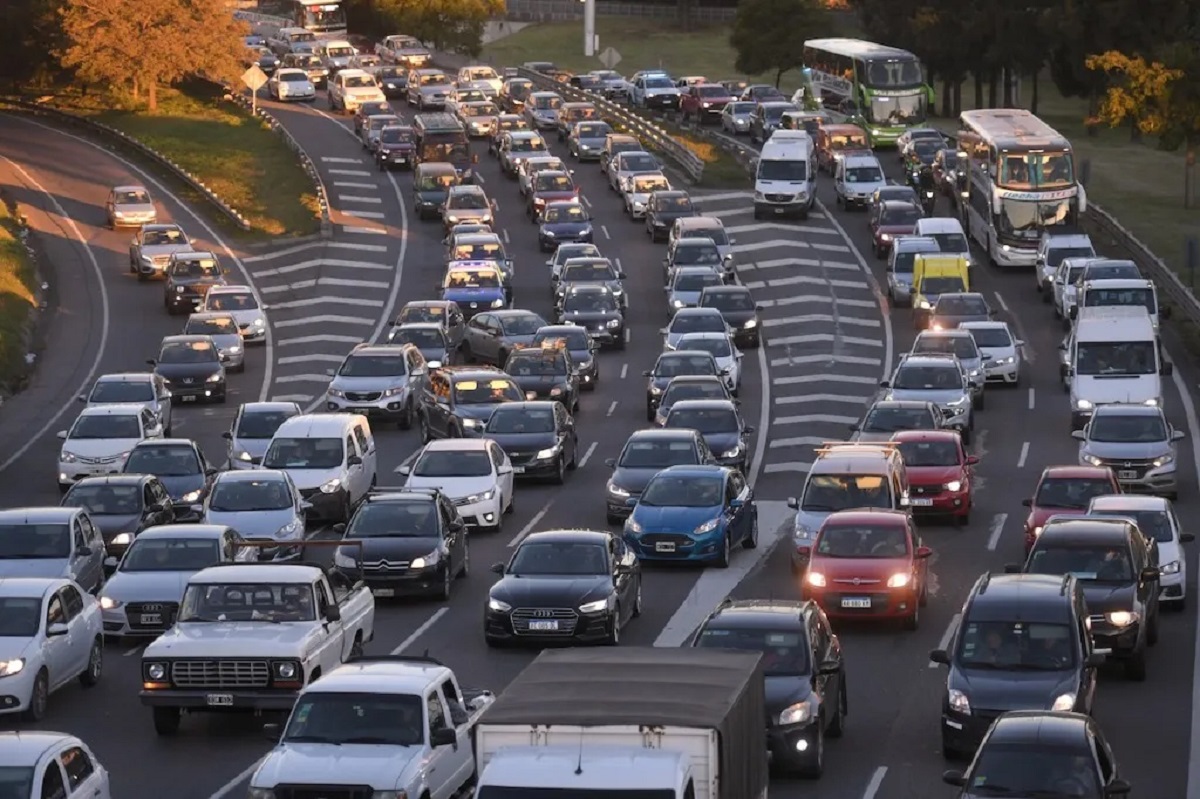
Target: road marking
{"x": 1024, "y": 454}
{"x": 137, "y": 650}
{"x": 724, "y": 212}
{"x": 617, "y": 264}
{"x": 353, "y": 198}
{"x": 505, "y": 232}
{"x": 624, "y": 370}
{"x": 329, "y": 159}
{"x": 817, "y": 418}
{"x": 358, "y": 173}
{"x": 604, "y": 230}
{"x": 1031, "y": 398}
{"x": 1003, "y": 304}
{"x": 228, "y": 787}
{"x": 350, "y": 184}
{"x": 302, "y": 379}
{"x": 326, "y": 319}
{"x": 365, "y": 231}
{"x": 327, "y": 281}
{"x": 848, "y": 399}
{"x": 303, "y": 247}
{"x": 364, "y": 215}
{"x": 946, "y": 636}
{"x": 527, "y": 529}
{"x": 587, "y": 456}
{"x": 770, "y": 244}
{"x": 778, "y": 263}
{"x": 799, "y": 380}
{"x": 323, "y": 338}
{"x": 292, "y": 398}
{"x": 612, "y": 408}
{"x": 798, "y": 441}
{"x": 585, "y": 200}
{"x": 995, "y": 530}
{"x": 830, "y": 247}
{"x": 875, "y": 783}
{"x": 719, "y": 196}
{"x": 831, "y": 359}
{"x": 417, "y": 633}
{"x": 286, "y": 270}
{"x": 822, "y": 318}
{"x": 815, "y": 281}
{"x": 815, "y": 337}
{"x": 312, "y": 357}
{"x": 1189, "y": 411}
{"x": 781, "y": 468}
{"x": 311, "y": 301}
{"x": 761, "y": 226}
{"x": 628, "y": 335}
{"x": 479, "y": 179}
{"x": 822, "y": 299}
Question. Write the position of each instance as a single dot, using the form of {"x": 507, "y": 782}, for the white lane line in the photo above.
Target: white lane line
{"x": 350, "y": 245}
{"x": 376, "y": 231}
{"x": 300, "y": 267}
{"x": 778, "y": 263}
{"x": 612, "y": 408}
{"x": 846, "y": 399}
{"x": 417, "y": 633}
{"x": 875, "y": 783}
{"x": 356, "y": 214}
{"x": 527, "y": 529}
{"x": 292, "y": 398}
{"x": 1189, "y": 412}
{"x": 798, "y": 441}
{"x": 787, "y": 468}
{"x": 585, "y": 200}
{"x": 822, "y": 318}
{"x": 1002, "y": 303}
{"x": 817, "y": 418}
{"x": 946, "y": 636}
{"x": 343, "y": 245}
{"x": 624, "y": 370}
{"x": 724, "y": 212}
{"x": 861, "y": 380}
{"x": 791, "y": 229}
{"x": 311, "y": 301}
{"x": 302, "y": 379}
{"x": 479, "y": 179}
{"x": 328, "y": 281}
{"x": 830, "y": 247}
{"x": 821, "y": 299}
{"x": 831, "y": 359}
{"x": 812, "y": 338}
{"x": 137, "y": 650}
{"x": 313, "y": 357}
{"x": 505, "y": 231}
{"x": 350, "y": 184}
{"x": 604, "y": 230}
{"x": 227, "y": 788}
{"x": 1031, "y": 398}
{"x": 354, "y": 198}
{"x": 358, "y": 173}
{"x": 763, "y": 433}
{"x": 323, "y": 338}
{"x": 587, "y": 456}
{"x": 1024, "y": 454}
{"x": 325, "y": 319}
{"x": 770, "y": 244}
{"x": 995, "y": 530}
{"x": 617, "y": 263}
{"x": 329, "y": 159}
{"x": 700, "y": 199}
{"x": 628, "y": 335}
{"x": 807, "y": 280}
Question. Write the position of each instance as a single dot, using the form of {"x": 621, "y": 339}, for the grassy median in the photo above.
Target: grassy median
{"x": 17, "y": 300}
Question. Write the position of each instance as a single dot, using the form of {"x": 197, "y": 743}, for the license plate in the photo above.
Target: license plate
{"x": 189, "y": 397}
{"x": 220, "y": 700}
{"x": 1124, "y": 475}
{"x": 856, "y": 602}
{"x": 779, "y": 210}
{"x": 664, "y": 546}
{"x": 922, "y": 503}
{"x": 543, "y": 626}
{"x": 518, "y": 470}
{"x": 383, "y": 592}
{"x": 151, "y": 618}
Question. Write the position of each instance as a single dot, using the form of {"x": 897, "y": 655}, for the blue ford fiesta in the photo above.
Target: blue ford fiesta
{"x": 475, "y": 285}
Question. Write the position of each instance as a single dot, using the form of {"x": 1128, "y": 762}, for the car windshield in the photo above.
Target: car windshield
{"x": 523, "y": 324}
{"x": 489, "y": 392}
{"x": 1056, "y": 255}
{"x": 467, "y": 200}
{"x": 304, "y": 453}
{"x": 570, "y": 213}
{"x": 115, "y": 391}
{"x": 1013, "y": 646}
{"x": 547, "y": 102}
{"x": 727, "y": 300}
{"x": 692, "y": 254}
{"x": 941, "y": 285}
{"x": 163, "y": 238}
{"x": 552, "y": 182}
{"x": 536, "y": 364}
{"x": 697, "y": 323}
{"x": 196, "y": 269}
{"x": 478, "y": 251}
{"x": 892, "y": 420}
{"x": 269, "y": 602}
{"x": 194, "y": 352}
{"x": 1023, "y": 770}
{"x": 20, "y": 617}
{"x": 453, "y": 463}
{"x": 481, "y": 110}
{"x": 338, "y": 717}
{"x": 928, "y": 378}
{"x": 34, "y": 541}
{"x": 126, "y": 425}
{"x": 473, "y": 279}
{"x": 716, "y": 233}
{"x": 228, "y": 301}
{"x": 650, "y": 184}
{"x": 434, "y": 79}
{"x": 421, "y": 313}
{"x": 389, "y": 72}
{"x": 527, "y": 144}
{"x": 137, "y": 197}
{"x": 395, "y": 519}
{"x": 961, "y": 306}
{"x": 1136, "y": 298}
{"x": 261, "y": 424}
{"x": 991, "y": 337}
{"x": 381, "y": 121}
{"x": 1116, "y": 358}
{"x": 672, "y": 203}
{"x": 364, "y": 82}
{"x": 951, "y": 242}
{"x": 1071, "y": 492}
{"x": 1154, "y": 524}
{"x": 100, "y": 499}
{"x": 902, "y": 263}
{"x": 826, "y": 493}
{"x": 521, "y": 420}
{"x": 785, "y": 652}
{"x": 589, "y": 302}
{"x": 678, "y": 391}
{"x": 704, "y": 420}
{"x": 930, "y": 453}
{"x": 864, "y": 174}
{"x": 1112, "y": 428}
{"x": 658, "y": 454}
{"x": 717, "y": 347}
{"x": 678, "y": 491}
{"x": 902, "y": 216}
{"x": 373, "y": 366}
{"x": 1092, "y": 562}
{"x": 293, "y": 77}
{"x": 559, "y": 558}
{"x": 395, "y": 136}
{"x": 241, "y": 496}
{"x": 961, "y": 346}
{"x": 436, "y": 182}
{"x": 212, "y": 326}
{"x": 1111, "y": 271}
{"x": 588, "y": 272}
{"x": 163, "y": 460}
{"x": 672, "y": 365}
{"x": 595, "y": 130}
{"x": 641, "y": 162}
{"x": 696, "y": 282}
{"x": 863, "y": 541}
{"x": 423, "y": 338}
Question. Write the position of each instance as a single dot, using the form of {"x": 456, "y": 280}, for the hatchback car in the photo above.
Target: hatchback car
{"x": 586, "y": 141}
{"x": 181, "y": 467}
{"x": 885, "y": 418}
{"x": 191, "y": 368}
{"x": 130, "y": 206}
{"x": 687, "y": 283}
{"x": 563, "y": 222}
{"x": 252, "y": 430}
{"x": 692, "y": 320}
{"x": 889, "y": 221}
{"x": 960, "y": 344}
{"x": 951, "y": 310}
{"x": 663, "y": 209}
{"x": 939, "y": 379}
{"x": 1156, "y": 518}
{"x": 539, "y": 438}
{"x": 1000, "y": 350}
{"x": 152, "y": 246}
{"x": 594, "y": 309}
{"x": 242, "y": 303}
{"x": 190, "y": 276}
{"x": 474, "y": 474}
{"x": 690, "y": 387}
{"x": 719, "y": 422}
{"x": 222, "y": 328}
{"x": 1065, "y": 490}
{"x": 677, "y": 363}
{"x": 146, "y": 389}
{"x": 645, "y": 454}
{"x": 941, "y": 474}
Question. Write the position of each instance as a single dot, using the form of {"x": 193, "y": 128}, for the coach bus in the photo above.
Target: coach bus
{"x": 325, "y": 18}
{"x": 1022, "y": 180}
{"x": 882, "y": 89}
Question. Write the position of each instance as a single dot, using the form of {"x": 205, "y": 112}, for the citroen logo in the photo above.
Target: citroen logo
{"x": 856, "y": 581}
{"x": 542, "y": 614}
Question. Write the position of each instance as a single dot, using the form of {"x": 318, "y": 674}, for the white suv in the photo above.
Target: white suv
{"x": 474, "y": 473}
{"x": 101, "y": 439}
{"x": 350, "y": 88}
{"x": 856, "y": 179}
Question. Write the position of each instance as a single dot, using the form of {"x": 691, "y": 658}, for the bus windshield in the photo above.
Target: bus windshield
{"x": 324, "y": 17}
{"x": 902, "y": 110}
{"x": 1036, "y": 170}
{"x": 892, "y": 73}
{"x": 1024, "y": 219}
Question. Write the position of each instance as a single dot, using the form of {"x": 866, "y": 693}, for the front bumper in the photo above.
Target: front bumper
{"x": 747, "y": 336}
{"x": 616, "y": 504}
{"x": 71, "y": 473}
{"x": 663, "y": 101}
{"x": 793, "y": 744}
{"x": 1142, "y": 480}
{"x": 152, "y": 267}
{"x": 17, "y": 690}
{"x": 199, "y": 389}
{"x": 1002, "y": 372}
{"x": 218, "y": 699}
{"x": 576, "y": 628}
{"x": 184, "y": 300}
{"x": 126, "y": 620}
{"x": 485, "y": 513}
{"x": 325, "y": 505}
{"x": 549, "y": 241}
{"x": 530, "y": 466}
{"x": 408, "y": 582}
{"x": 856, "y": 200}
{"x": 253, "y": 334}
{"x": 379, "y": 408}
{"x": 783, "y": 207}
{"x": 936, "y": 499}
{"x": 849, "y": 602}
{"x": 1117, "y": 643}
{"x": 669, "y": 546}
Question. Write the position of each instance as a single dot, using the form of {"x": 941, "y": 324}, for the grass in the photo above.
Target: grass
{"x": 17, "y": 301}
{"x": 236, "y": 155}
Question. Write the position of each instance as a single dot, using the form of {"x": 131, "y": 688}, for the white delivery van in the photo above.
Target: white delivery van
{"x": 785, "y": 181}
{"x": 856, "y": 179}
{"x": 1120, "y": 293}
{"x": 948, "y": 233}
{"x": 798, "y": 135}
{"x": 331, "y": 457}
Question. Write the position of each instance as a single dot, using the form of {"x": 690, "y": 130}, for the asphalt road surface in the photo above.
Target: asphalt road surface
{"x": 829, "y": 340}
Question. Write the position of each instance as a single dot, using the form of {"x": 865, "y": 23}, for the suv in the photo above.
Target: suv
{"x": 1156, "y": 518}
{"x": 384, "y": 381}
{"x": 939, "y": 379}
{"x": 1136, "y": 442}
{"x": 961, "y": 344}
{"x": 459, "y": 400}
{"x": 1117, "y": 569}
{"x": 189, "y": 277}
{"x": 545, "y": 373}
{"x": 1022, "y": 643}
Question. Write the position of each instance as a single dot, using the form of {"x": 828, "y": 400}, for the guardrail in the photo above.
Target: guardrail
{"x": 254, "y": 18}
{"x": 149, "y": 152}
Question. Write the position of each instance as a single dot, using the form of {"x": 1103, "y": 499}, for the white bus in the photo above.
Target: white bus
{"x": 1022, "y": 180}
{"x": 325, "y": 18}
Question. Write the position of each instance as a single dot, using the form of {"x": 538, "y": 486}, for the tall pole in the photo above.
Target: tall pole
{"x": 589, "y": 28}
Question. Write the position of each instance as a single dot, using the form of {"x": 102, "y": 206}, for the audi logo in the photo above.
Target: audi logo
{"x": 152, "y": 608}
{"x": 542, "y": 614}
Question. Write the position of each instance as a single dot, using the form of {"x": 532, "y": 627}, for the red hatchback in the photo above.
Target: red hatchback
{"x": 1065, "y": 491}
{"x": 939, "y": 470}
{"x": 891, "y": 219}
{"x": 869, "y": 564}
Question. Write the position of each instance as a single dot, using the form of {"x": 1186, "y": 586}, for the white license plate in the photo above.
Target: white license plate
{"x": 151, "y": 618}
{"x": 543, "y": 626}
{"x": 383, "y": 592}
{"x": 779, "y": 210}
{"x": 220, "y": 700}
{"x": 190, "y": 397}
{"x": 922, "y": 503}
{"x": 1127, "y": 475}
{"x": 518, "y": 470}
{"x": 856, "y": 602}
{"x": 664, "y": 546}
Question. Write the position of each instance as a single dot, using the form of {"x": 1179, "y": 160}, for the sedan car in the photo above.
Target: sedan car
{"x": 719, "y": 345}
{"x": 565, "y": 252}
{"x": 446, "y": 315}
{"x": 478, "y": 117}
{"x": 676, "y": 363}
{"x": 491, "y": 336}
{"x": 594, "y": 271}
{"x": 539, "y": 438}
{"x": 662, "y": 210}
{"x": 637, "y": 189}
{"x": 180, "y": 466}
{"x": 190, "y": 276}
{"x": 152, "y": 247}
{"x": 264, "y": 506}
{"x": 886, "y": 417}
{"x": 222, "y": 328}
{"x": 291, "y": 84}
{"x": 890, "y": 220}
{"x": 242, "y": 304}
{"x": 369, "y": 109}
{"x": 147, "y": 390}
{"x": 504, "y": 124}
{"x": 252, "y": 430}
{"x": 951, "y": 310}
{"x": 692, "y": 320}
{"x": 645, "y": 454}
{"x": 739, "y": 310}
{"x": 719, "y": 422}
{"x": 687, "y": 283}
{"x": 545, "y": 373}
{"x": 562, "y": 222}
{"x": 100, "y": 439}
{"x": 624, "y": 165}
{"x": 475, "y": 474}
{"x": 596, "y": 310}
{"x": 121, "y": 506}
{"x": 547, "y": 187}
{"x": 518, "y": 145}
{"x": 735, "y": 117}
{"x": 429, "y": 338}
{"x": 690, "y": 387}
{"x": 463, "y": 399}
{"x": 941, "y": 474}
{"x": 938, "y": 379}
{"x": 530, "y": 167}
{"x": 912, "y": 134}
{"x": 371, "y": 129}
{"x": 130, "y": 206}
{"x": 191, "y": 368}
{"x": 467, "y": 204}
{"x": 586, "y": 140}
{"x": 1000, "y": 350}
{"x": 580, "y": 345}
{"x": 1065, "y": 491}
{"x": 698, "y": 252}
{"x": 961, "y": 345}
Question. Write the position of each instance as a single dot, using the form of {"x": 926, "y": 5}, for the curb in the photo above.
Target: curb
{"x": 30, "y": 338}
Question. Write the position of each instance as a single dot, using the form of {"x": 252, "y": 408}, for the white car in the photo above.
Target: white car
{"x": 474, "y": 473}
{"x": 1155, "y": 517}
{"x": 531, "y": 166}
{"x": 720, "y": 346}
{"x": 291, "y": 84}
{"x": 38, "y": 761}
{"x": 101, "y": 439}
{"x": 1064, "y": 286}
{"x": 145, "y": 388}
{"x": 1001, "y": 350}
{"x": 240, "y": 301}
{"x": 637, "y": 189}
{"x": 52, "y": 634}
{"x": 479, "y": 74}
{"x": 350, "y": 88}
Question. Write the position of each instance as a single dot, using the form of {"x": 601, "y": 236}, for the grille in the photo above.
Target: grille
{"x": 857, "y": 581}
{"x": 98, "y": 461}
{"x": 324, "y": 791}
{"x": 925, "y": 491}
{"x": 220, "y": 673}
{"x": 462, "y": 501}
{"x": 367, "y": 396}
{"x": 1097, "y": 618}
{"x": 779, "y": 198}
{"x": 187, "y": 381}
{"x": 677, "y": 539}
{"x": 385, "y": 565}
{"x": 567, "y": 620}
{"x": 521, "y": 458}
{"x": 160, "y": 260}
{"x": 1139, "y": 466}
{"x": 166, "y": 611}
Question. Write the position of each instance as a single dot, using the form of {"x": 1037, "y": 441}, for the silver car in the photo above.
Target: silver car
{"x": 383, "y": 381}
{"x": 144, "y": 388}
{"x": 566, "y": 252}
{"x": 222, "y": 328}
{"x": 961, "y": 344}
{"x": 252, "y": 431}
{"x": 369, "y": 134}
{"x": 900, "y": 266}
{"x": 686, "y": 284}
{"x": 479, "y": 117}
{"x": 130, "y": 206}
{"x": 887, "y": 417}
{"x": 429, "y": 337}
{"x": 241, "y": 303}
{"x": 1001, "y": 350}
{"x": 52, "y": 542}
{"x": 531, "y": 166}
{"x": 692, "y": 320}
{"x": 735, "y": 117}
{"x": 1137, "y": 443}
{"x": 629, "y": 163}
{"x": 580, "y": 271}
{"x": 264, "y": 506}
{"x": 704, "y": 227}
{"x": 939, "y": 379}
{"x": 152, "y": 247}
{"x": 636, "y": 191}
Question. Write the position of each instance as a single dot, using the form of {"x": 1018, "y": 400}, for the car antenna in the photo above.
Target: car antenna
{"x": 579, "y": 761}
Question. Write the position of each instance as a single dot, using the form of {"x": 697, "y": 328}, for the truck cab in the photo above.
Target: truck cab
{"x": 935, "y": 274}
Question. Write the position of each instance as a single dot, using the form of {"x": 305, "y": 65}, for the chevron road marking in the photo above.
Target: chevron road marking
{"x": 307, "y": 358}
{"x": 356, "y": 214}
{"x": 800, "y": 380}
{"x": 815, "y": 418}
{"x": 311, "y": 301}
{"x": 775, "y": 226}
{"x": 728, "y": 195}
{"x": 300, "y": 267}
{"x": 781, "y": 468}
{"x": 342, "y": 184}
{"x": 823, "y": 299}
{"x": 303, "y": 379}
{"x": 799, "y": 441}
{"x": 843, "y": 399}
{"x": 775, "y": 263}
{"x": 325, "y": 281}
{"x": 301, "y": 398}
{"x": 352, "y": 198}
{"x": 364, "y": 230}
{"x": 769, "y": 245}
{"x": 815, "y": 337}
{"x": 328, "y": 319}
{"x": 358, "y": 173}
{"x": 820, "y": 281}
{"x": 800, "y": 360}
{"x": 323, "y": 338}
{"x": 819, "y": 317}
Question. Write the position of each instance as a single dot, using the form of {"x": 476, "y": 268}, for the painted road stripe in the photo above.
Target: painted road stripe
{"x": 728, "y": 195}
{"x": 287, "y": 270}
{"x": 301, "y": 398}
{"x": 323, "y": 338}
{"x": 363, "y": 230}
{"x": 823, "y": 299}
{"x": 830, "y": 247}
{"x": 303, "y": 379}
{"x": 345, "y": 245}
{"x": 364, "y": 215}
{"x": 803, "y": 279}
{"x": 799, "y": 441}
{"x": 327, "y": 319}
{"x": 780, "y": 468}
{"x": 770, "y": 244}
{"x": 353, "y": 198}
{"x": 325, "y": 281}
{"x": 724, "y": 212}
{"x": 822, "y": 318}
{"x": 350, "y": 245}
{"x": 311, "y": 301}
{"x": 777, "y": 263}
{"x": 350, "y": 184}
{"x": 815, "y": 337}
{"x": 815, "y": 418}
{"x": 800, "y": 360}
{"x": 800, "y": 380}
{"x": 759, "y": 226}
{"x": 311, "y": 357}
{"x": 329, "y": 159}
{"x": 841, "y": 399}
{"x": 358, "y": 173}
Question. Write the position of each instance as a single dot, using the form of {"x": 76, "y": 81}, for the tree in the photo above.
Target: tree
{"x": 1183, "y": 95}
{"x": 449, "y": 25}
{"x": 766, "y": 34}
{"x": 1139, "y": 91}
{"x": 29, "y": 35}
{"x": 151, "y": 43}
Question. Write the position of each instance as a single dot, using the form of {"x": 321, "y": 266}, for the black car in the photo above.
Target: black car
{"x": 663, "y": 208}
{"x": 698, "y": 251}
{"x": 582, "y": 347}
{"x": 121, "y": 506}
{"x": 1022, "y": 644}
{"x": 690, "y": 387}
{"x": 645, "y": 454}
{"x": 1041, "y": 753}
{"x": 721, "y": 425}
{"x": 393, "y": 81}
{"x": 412, "y": 542}
{"x": 545, "y": 373}
{"x": 189, "y": 277}
{"x": 675, "y": 363}
{"x": 1117, "y": 568}
{"x": 574, "y": 586}
{"x": 396, "y": 148}
{"x": 192, "y": 368}
{"x": 588, "y": 271}
{"x": 740, "y": 311}
{"x": 181, "y": 468}
{"x": 429, "y": 338}
{"x": 595, "y": 309}
{"x": 539, "y": 438}
{"x": 951, "y": 310}
{"x": 803, "y": 669}
{"x": 461, "y": 399}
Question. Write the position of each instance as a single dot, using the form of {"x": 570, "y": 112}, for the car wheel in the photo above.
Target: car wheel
{"x": 814, "y": 766}
{"x": 426, "y": 433}
{"x": 39, "y": 698}
{"x": 464, "y": 569}
{"x": 837, "y": 724}
{"x": 560, "y": 471}
{"x": 913, "y": 620}
{"x": 406, "y": 419}
{"x": 166, "y": 720}
{"x": 723, "y": 556}
{"x": 95, "y": 665}
{"x": 443, "y": 591}
{"x": 751, "y": 541}
{"x": 614, "y": 634}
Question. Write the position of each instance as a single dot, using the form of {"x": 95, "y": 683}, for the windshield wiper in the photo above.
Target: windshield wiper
{"x": 829, "y": 508}
{"x": 311, "y": 739}
{"x": 373, "y": 739}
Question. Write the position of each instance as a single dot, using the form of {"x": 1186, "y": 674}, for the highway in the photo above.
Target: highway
{"x": 830, "y": 338}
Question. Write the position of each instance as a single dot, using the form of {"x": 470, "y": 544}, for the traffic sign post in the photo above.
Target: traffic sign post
{"x": 254, "y": 78}
{"x": 610, "y": 58}
{"x": 589, "y": 28}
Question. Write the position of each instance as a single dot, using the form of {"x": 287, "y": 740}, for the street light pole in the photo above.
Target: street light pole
{"x": 589, "y": 28}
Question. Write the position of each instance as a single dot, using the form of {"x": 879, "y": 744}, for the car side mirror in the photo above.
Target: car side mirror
{"x": 1094, "y": 660}
{"x": 333, "y": 613}
{"x": 972, "y": 460}
{"x": 405, "y": 470}
{"x": 610, "y": 463}
{"x": 498, "y": 568}
{"x": 884, "y": 383}
{"x": 1178, "y": 435}
{"x": 354, "y": 460}
{"x": 1028, "y": 503}
{"x": 828, "y": 667}
{"x": 1079, "y": 434}
{"x": 62, "y": 434}
{"x": 227, "y": 435}
{"x": 1149, "y": 574}
{"x": 82, "y": 398}
{"x": 940, "y": 656}
{"x": 956, "y": 778}
{"x": 1012, "y": 568}
{"x": 272, "y": 732}
{"x": 1187, "y": 538}
{"x": 923, "y": 553}
{"x": 1117, "y": 788}
{"x": 793, "y": 503}
{"x": 339, "y": 528}
{"x": 55, "y": 630}
{"x": 621, "y": 275}
{"x": 155, "y": 507}
{"x": 1167, "y": 369}
{"x": 443, "y": 737}
{"x": 647, "y": 373}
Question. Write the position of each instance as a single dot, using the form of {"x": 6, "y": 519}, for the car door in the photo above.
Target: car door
{"x": 442, "y": 760}
{"x": 437, "y": 409}
{"x": 454, "y": 324}
{"x": 79, "y": 637}
{"x": 163, "y": 409}
{"x": 86, "y": 779}
{"x": 825, "y": 686}
{"x": 56, "y": 650}
{"x": 477, "y": 335}
{"x": 51, "y": 782}
{"x": 565, "y": 427}
{"x": 163, "y": 498}
{"x": 150, "y": 427}
{"x": 79, "y": 564}
{"x": 504, "y": 474}
{"x": 745, "y": 512}
{"x": 623, "y": 580}
{"x": 367, "y": 451}
{"x": 95, "y": 541}
{"x": 354, "y": 471}
{"x": 734, "y": 513}
{"x": 459, "y": 717}
{"x": 1089, "y": 676}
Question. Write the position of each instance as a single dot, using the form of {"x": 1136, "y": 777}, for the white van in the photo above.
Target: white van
{"x": 1112, "y": 355}
{"x": 856, "y": 179}
{"x": 331, "y": 457}
{"x": 948, "y": 233}
{"x": 1120, "y": 292}
{"x": 800, "y": 136}
{"x": 785, "y": 181}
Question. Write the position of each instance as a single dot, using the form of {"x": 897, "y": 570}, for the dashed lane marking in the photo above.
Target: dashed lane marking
{"x": 815, "y": 337}
{"x": 587, "y": 456}
{"x": 310, "y": 358}
{"x": 798, "y": 441}
{"x": 417, "y": 633}
{"x": 528, "y": 528}
{"x": 292, "y": 398}
{"x": 1032, "y": 400}
{"x": 819, "y": 317}
{"x": 343, "y": 245}
{"x": 875, "y": 783}
{"x": 323, "y": 338}
{"x": 718, "y": 197}
{"x": 326, "y": 319}
{"x": 624, "y": 370}
{"x": 358, "y": 173}
{"x": 995, "y": 530}
{"x": 356, "y": 214}
{"x": 612, "y": 408}
{"x": 329, "y": 159}
{"x": 946, "y": 636}
{"x": 302, "y": 379}
{"x": 1003, "y": 304}
{"x": 822, "y": 299}
{"x": 354, "y": 198}
{"x": 1024, "y": 454}
{"x": 816, "y": 418}
{"x": 311, "y": 301}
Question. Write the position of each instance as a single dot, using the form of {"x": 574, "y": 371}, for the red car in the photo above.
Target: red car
{"x": 1065, "y": 491}
{"x": 940, "y": 477}
{"x": 869, "y": 564}
{"x": 889, "y": 220}
{"x": 704, "y": 102}
{"x": 550, "y": 186}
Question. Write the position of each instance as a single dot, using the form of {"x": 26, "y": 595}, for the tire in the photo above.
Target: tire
{"x": 356, "y": 648}
{"x": 465, "y": 349}
{"x": 614, "y": 635}
{"x": 637, "y": 600}
{"x": 1135, "y": 667}
{"x": 815, "y": 766}
{"x": 722, "y": 561}
{"x": 95, "y": 665}
{"x": 912, "y": 622}
{"x": 443, "y": 591}
{"x": 426, "y": 433}
{"x": 464, "y": 570}
{"x": 406, "y": 420}
{"x": 560, "y": 472}
{"x": 166, "y": 720}
{"x": 1152, "y": 630}
{"x": 837, "y": 724}
{"x": 39, "y": 698}
{"x": 751, "y": 542}
{"x": 981, "y": 401}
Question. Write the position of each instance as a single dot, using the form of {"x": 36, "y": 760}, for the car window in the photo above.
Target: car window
{"x": 79, "y": 535}
{"x": 350, "y": 451}
{"x": 497, "y": 456}
{"x": 78, "y": 766}
{"x": 52, "y": 782}
{"x": 437, "y": 713}
{"x": 361, "y": 437}
{"x": 54, "y": 611}
{"x": 72, "y": 601}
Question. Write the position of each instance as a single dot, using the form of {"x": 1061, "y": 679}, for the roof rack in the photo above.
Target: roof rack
{"x": 381, "y": 490}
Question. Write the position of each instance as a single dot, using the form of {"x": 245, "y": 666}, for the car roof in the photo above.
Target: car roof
{"x": 113, "y": 409}
{"x": 116, "y": 479}
{"x": 35, "y": 515}
{"x": 1020, "y": 597}
{"x": 235, "y": 288}
{"x": 457, "y": 445}
{"x": 760, "y": 614}
{"x": 699, "y": 222}
{"x": 186, "y": 530}
{"x": 897, "y": 518}
{"x": 26, "y": 747}
{"x": 990, "y": 324}
{"x": 937, "y": 359}
{"x": 473, "y": 372}
{"x": 685, "y": 312}
{"x": 1066, "y": 472}
{"x": 1085, "y": 530}
{"x": 353, "y": 73}
{"x": 705, "y": 405}
{"x": 267, "y": 407}
{"x": 314, "y": 425}
{"x": 1051, "y": 729}
{"x": 28, "y": 587}
{"x": 1126, "y": 409}
{"x": 896, "y": 205}
{"x": 953, "y": 333}
{"x": 698, "y": 470}
{"x": 690, "y": 241}
{"x": 167, "y": 442}
{"x": 926, "y": 435}
{"x": 255, "y": 573}
{"x": 251, "y": 475}
{"x": 381, "y": 677}
{"x": 207, "y": 316}
{"x": 126, "y": 377}
{"x": 663, "y": 434}
{"x": 601, "y": 537}
{"x": 696, "y": 379}
{"x": 188, "y": 339}
{"x": 1130, "y": 502}
{"x": 162, "y": 226}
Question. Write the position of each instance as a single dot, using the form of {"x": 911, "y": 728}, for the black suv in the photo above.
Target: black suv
{"x": 805, "y": 674}
{"x": 1117, "y": 568}
{"x": 412, "y": 542}
{"x": 460, "y": 400}
{"x": 663, "y": 208}
{"x": 1022, "y": 644}
{"x": 546, "y": 373}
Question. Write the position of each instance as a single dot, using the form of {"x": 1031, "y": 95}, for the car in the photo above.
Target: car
{"x": 143, "y": 388}
{"x": 1117, "y": 568}
{"x": 369, "y": 109}
{"x": 331, "y": 457}
{"x": 999, "y": 349}
{"x": 432, "y": 181}
{"x": 960, "y": 344}
{"x": 243, "y": 305}
{"x": 1156, "y": 519}
{"x": 704, "y": 227}
{"x": 895, "y": 192}
{"x": 704, "y": 102}
{"x": 686, "y": 252}
{"x": 428, "y": 89}
{"x": 952, "y": 309}
{"x": 1055, "y": 245}
{"x": 950, "y": 171}
{"x": 766, "y": 117}
{"x": 467, "y": 204}
{"x": 190, "y": 276}
{"x": 514, "y": 91}
{"x": 939, "y": 379}
{"x": 223, "y": 329}
{"x": 719, "y": 422}
{"x": 637, "y": 190}
{"x": 430, "y": 340}
{"x": 491, "y": 336}
{"x": 53, "y": 631}
{"x": 121, "y": 506}
{"x": 350, "y": 88}
{"x": 720, "y": 346}
{"x": 912, "y": 134}
{"x": 368, "y": 134}
{"x": 624, "y": 165}
{"x": 541, "y": 110}
{"x": 40, "y": 759}
{"x": 562, "y": 222}
{"x": 803, "y": 667}
{"x": 1137, "y": 443}
{"x": 735, "y": 117}
{"x": 573, "y": 113}
{"x": 856, "y": 178}
{"x": 586, "y": 140}
{"x": 690, "y": 387}
{"x": 476, "y": 242}
{"x": 100, "y": 439}
{"x": 382, "y": 381}
{"x": 130, "y": 206}
{"x": 254, "y": 425}
{"x": 1065, "y": 491}
{"x": 545, "y": 373}
{"x": 901, "y": 267}
{"x": 645, "y": 454}
{"x": 180, "y": 466}
{"x": 1064, "y": 284}
{"x": 263, "y": 58}
{"x": 264, "y": 506}
{"x": 739, "y": 311}
{"x": 567, "y": 251}
{"x": 591, "y": 271}
{"x": 475, "y": 286}
{"x": 885, "y": 418}
{"x": 152, "y": 247}
{"x": 51, "y": 542}
{"x": 530, "y": 167}
{"x": 869, "y": 564}
{"x": 473, "y": 473}
{"x": 890, "y": 220}
{"x": 762, "y": 93}
{"x": 310, "y": 64}
{"x": 614, "y": 145}
{"x": 505, "y": 123}
{"x": 480, "y": 72}
{"x": 518, "y": 145}
{"x": 675, "y": 363}
{"x": 478, "y": 117}
{"x": 539, "y": 438}
{"x": 580, "y": 344}
{"x": 1042, "y": 753}
{"x": 393, "y": 80}
{"x": 461, "y": 399}
{"x": 191, "y": 368}
{"x": 663, "y": 208}
{"x": 941, "y": 473}
{"x": 686, "y": 284}
{"x": 291, "y": 84}
{"x": 547, "y": 186}
{"x": 445, "y": 314}
{"x": 653, "y": 90}
{"x": 692, "y": 320}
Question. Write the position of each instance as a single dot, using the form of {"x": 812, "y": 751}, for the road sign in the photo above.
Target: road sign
{"x": 610, "y": 58}
{"x": 255, "y": 78}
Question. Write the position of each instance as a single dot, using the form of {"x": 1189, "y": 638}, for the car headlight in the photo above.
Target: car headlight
{"x": 487, "y": 219}
{"x": 954, "y": 485}
{"x": 732, "y": 453}
{"x": 556, "y": 392}
{"x": 655, "y": 391}
{"x": 452, "y": 219}
{"x": 613, "y": 324}
{"x": 1153, "y": 403}
{"x": 286, "y": 670}
{"x": 631, "y": 524}
{"x": 1092, "y": 459}
{"x": 343, "y": 561}
{"x": 243, "y": 456}
{"x": 10, "y": 667}
{"x": 1064, "y": 703}
{"x": 122, "y": 539}
{"x": 958, "y": 702}
{"x": 332, "y": 486}
{"x": 67, "y": 457}
{"x": 899, "y": 580}
{"x": 599, "y": 606}
{"x": 498, "y": 302}
{"x": 435, "y": 364}
{"x": 885, "y": 236}
{"x": 428, "y": 560}
{"x": 1121, "y": 618}
{"x": 498, "y": 606}
{"x": 480, "y": 497}
{"x": 546, "y": 454}
{"x": 191, "y": 496}
{"x": 708, "y": 526}
{"x": 179, "y": 289}
{"x": 1171, "y": 568}
{"x": 1006, "y": 361}
{"x": 472, "y": 423}
{"x": 677, "y": 303}
{"x": 924, "y": 305}
{"x": 1163, "y": 461}
{"x": 616, "y": 490}
{"x": 215, "y": 377}
{"x": 815, "y": 579}
{"x": 1037, "y": 531}
{"x": 290, "y": 530}
{"x": 395, "y": 391}
{"x": 796, "y": 714}
{"x": 108, "y": 603}
{"x": 1082, "y": 405}
{"x": 751, "y": 324}
{"x": 156, "y": 671}
{"x": 336, "y": 392}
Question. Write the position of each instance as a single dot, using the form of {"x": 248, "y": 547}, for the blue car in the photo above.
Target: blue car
{"x": 562, "y": 222}
{"x": 693, "y": 513}
{"x": 475, "y": 285}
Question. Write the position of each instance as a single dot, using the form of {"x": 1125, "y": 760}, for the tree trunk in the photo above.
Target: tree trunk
{"x": 152, "y": 96}
{"x": 1033, "y": 92}
{"x": 993, "y": 94}
{"x": 947, "y": 96}
{"x": 958, "y": 98}
{"x": 1007, "y": 77}
{"x": 778, "y": 77}
{"x": 978, "y": 90}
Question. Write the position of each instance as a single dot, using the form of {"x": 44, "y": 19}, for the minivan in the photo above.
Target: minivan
{"x": 331, "y": 457}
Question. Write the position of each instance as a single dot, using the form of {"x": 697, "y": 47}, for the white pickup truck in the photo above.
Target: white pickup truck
{"x": 400, "y": 726}
{"x": 250, "y": 637}
{"x": 403, "y": 50}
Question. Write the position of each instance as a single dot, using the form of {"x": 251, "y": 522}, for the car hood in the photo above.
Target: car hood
{"x": 163, "y": 250}
{"x": 688, "y": 298}
{"x": 99, "y": 447}
{"x": 313, "y": 763}
{"x": 951, "y": 321}
{"x": 1108, "y": 597}
{"x": 737, "y": 319}
{"x": 930, "y": 395}
{"x": 996, "y": 353}
{"x": 397, "y": 147}
{"x": 34, "y": 567}
{"x": 673, "y": 214}
{"x": 864, "y": 189}
{"x": 720, "y": 443}
{"x": 365, "y": 93}
{"x": 135, "y": 209}
{"x": 1012, "y": 690}
{"x": 366, "y": 384}
{"x": 864, "y": 570}
{"x": 590, "y": 143}
{"x": 933, "y": 475}
{"x": 783, "y": 692}
{"x": 565, "y": 227}
{"x": 539, "y": 383}
{"x": 551, "y": 591}
{"x": 633, "y": 479}
{"x": 433, "y": 195}
{"x": 197, "y": 371}
{"x": 307, "y": 479}
{"x": 225, "y": 341}
{"x": 871, "y": 437}
{"x": 130, "y": 586}
{"x": 1115, "y": 388}
{"x": 397, "y": 548}
{"x": 247, "y": 317}
{"x": 111, "y": 524}
{"x": 254, "y": 447}
{"x": 896, "y": 230}
{"x": 179, "y": 484}
{"x": 555, "y": 195}
{"x": 674, "y": 519}
{"x": 1130, "y": 451}
{"x": 454, "y": 487}
{"x": 201, "y": 285}
{"x": 480, "y": 412}
{"x": 514, "y": 443}
{"x": 253, "y": 524}
{"x": 236, "y": 638}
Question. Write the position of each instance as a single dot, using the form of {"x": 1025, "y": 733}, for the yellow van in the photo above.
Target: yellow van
{"x": 934, "y": 274}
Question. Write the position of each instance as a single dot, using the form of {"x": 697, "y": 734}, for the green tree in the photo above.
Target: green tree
{"x": 151, "y": 43}
{"x": 1183, "y": 95}
{"x": 767, "y": 34}
{"x": 29, "y": 35}
{"x": 1138, "y": 92}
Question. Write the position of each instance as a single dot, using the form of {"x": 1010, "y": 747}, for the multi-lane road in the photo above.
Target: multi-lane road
{"x": 830, "y": 337}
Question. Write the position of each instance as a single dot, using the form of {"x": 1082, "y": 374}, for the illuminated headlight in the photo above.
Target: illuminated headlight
{"x": 286, "y": 671}
{"x": 215, "y": 377}
{"x": 1171, "y": 568}
{"x": 486, "y": 219}
{"x": 122, "y": 539}
{"x": 958, "y": 702}
{"x": 587, "y": 231}
{"x": 1083, "y": 405}
{"x": 732, "y": 453}
{"x": 332, "y": 486}
{"x": 885, "y": 236}
{"x": 556, "y": 392}
{"x": 708, "y": 526}
{"x": 191, "y": 496}
{"x": 750, "y": 324}
{"x": 395, "y": 391}
{"x": 975, "y": 373}
{"x": 1163, "y": 461}
{"x": 435, "y": 364}
{"x": 639, "y": 205}
{"x": 1153, "y": 403}
{"x": 599, "y": 606}
{"x": 655, "y": 391}
{"x": 425, "y": 562}
{"x": 234, "y": 350}
{"x": 631, "y": 524}
{"x": 1064, "y": 703}
{"x": 1092, "y": 460}
{"x": 530, "y": 395}
{"x": 815, "y": 579}
{"x": 1037, "y": 531}
{"x": 584, "y": 147}
{"x": 260, "y": 322}
{"x": 179, "y": 289}
{"x": 1006, "y": 361}
{"x": 677, "y": 303}
{"x": 1121, "y": 618}
{"x": 108, "y": 603}
{"x": 67, "y": 457}
{"x": 481, "y": 497}
{"x": 452, "y": 219}
{"x": 290, "y": 530}
{"x": 898, "y": 580}
{"x": 924, "y": 305}
{"x": 498, "y": 606}
{"x": 472, "y": 423}
{"x": 156, "y": 671}
{"x": 498, "y": 302}
{"x": 616, "y": 490}
{"x": 796, "y": 714}
{"x": 802, "y": 533}
{"x": 706, "y": 105}
{"x": 546, "y": 454}
{"x": 954, "y": 485}
{"x": 613, "y": 324}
